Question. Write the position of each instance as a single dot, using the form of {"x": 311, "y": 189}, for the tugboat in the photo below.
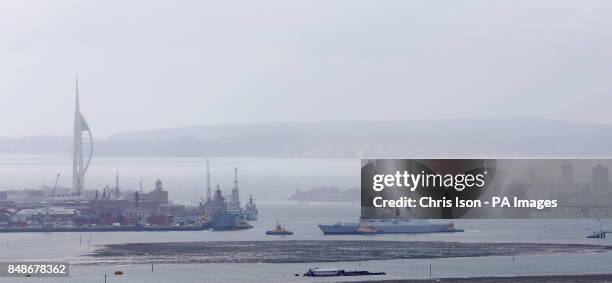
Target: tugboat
{"x": 279, "y": 230}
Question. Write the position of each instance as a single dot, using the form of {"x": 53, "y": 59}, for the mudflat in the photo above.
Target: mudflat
{"x": 322, "y": 251}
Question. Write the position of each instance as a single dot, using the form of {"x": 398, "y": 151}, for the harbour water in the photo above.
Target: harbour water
{"x": 271, "y": 181}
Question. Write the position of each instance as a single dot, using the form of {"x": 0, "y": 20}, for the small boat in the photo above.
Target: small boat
{"x": 119, "y": 272}
{"x": 279, "y": 230}
{"x": 334, "y": 272}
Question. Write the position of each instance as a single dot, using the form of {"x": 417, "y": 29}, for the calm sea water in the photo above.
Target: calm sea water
{"x": 271, "y": 181}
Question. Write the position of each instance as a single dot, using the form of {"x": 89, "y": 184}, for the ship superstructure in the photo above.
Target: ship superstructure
{"x": 234, "y": 203}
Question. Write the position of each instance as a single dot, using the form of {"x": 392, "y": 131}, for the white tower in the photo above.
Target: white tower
{"x": 235, "y": 199}
{"x": 82, "y": 147}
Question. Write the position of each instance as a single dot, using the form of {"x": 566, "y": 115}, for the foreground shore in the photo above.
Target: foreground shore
{"x": 539, "y": 278}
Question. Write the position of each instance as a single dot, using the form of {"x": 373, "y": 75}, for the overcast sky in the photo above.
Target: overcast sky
{"x": 150, "y": 64}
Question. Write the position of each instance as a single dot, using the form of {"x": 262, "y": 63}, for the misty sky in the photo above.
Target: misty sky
{"x": 154, "y": 64}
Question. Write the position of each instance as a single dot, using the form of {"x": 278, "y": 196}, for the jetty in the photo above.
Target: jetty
{"x": 598, "y": 235}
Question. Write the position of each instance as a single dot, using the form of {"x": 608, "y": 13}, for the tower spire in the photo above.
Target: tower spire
{"x": 81, "y": 152}
{"x": 76, "y": 88}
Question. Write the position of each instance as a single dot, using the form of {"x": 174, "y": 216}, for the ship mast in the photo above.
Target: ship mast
{"x": 235, "y": 198}
{"x": 236, "y": 178}
{"x": 208, "y": 191}
{"x": 140, "y": 186}
{"x": 117, "y": 185}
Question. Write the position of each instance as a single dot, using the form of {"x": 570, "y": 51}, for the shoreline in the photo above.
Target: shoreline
{"x": 105, "y": 229}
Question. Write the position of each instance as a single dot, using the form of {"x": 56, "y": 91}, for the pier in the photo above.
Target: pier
{"x": 599, "y": 235}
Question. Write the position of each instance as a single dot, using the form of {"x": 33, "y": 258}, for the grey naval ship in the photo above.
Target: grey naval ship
{"x": 387, "y": 226}
{"x": 250, "y": 210}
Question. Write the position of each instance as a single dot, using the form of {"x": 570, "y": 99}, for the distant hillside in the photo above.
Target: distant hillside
{"x": 456, "y": 138}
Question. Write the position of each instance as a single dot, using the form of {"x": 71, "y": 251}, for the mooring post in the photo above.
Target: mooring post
{"x": 430, "y": 270}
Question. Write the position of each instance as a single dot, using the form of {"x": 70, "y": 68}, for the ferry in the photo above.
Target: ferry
{"x": 387, "y": 226}
{"x": 333, "y": 272}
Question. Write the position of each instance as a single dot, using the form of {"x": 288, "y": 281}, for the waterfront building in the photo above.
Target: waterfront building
{"x": 159, "y": 195}
{"x": 600, "y": 178}
{"x": 567, "y": 172}
{"x": 47, "y": 216}
{"x": 7, "y": 217}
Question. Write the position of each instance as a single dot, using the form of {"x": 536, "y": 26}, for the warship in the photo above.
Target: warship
{"x": 250, "y": 209}
{"x": 221, "y": 214}
{"x": 387, "y": 226}
{"x": 220, "y": 217}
